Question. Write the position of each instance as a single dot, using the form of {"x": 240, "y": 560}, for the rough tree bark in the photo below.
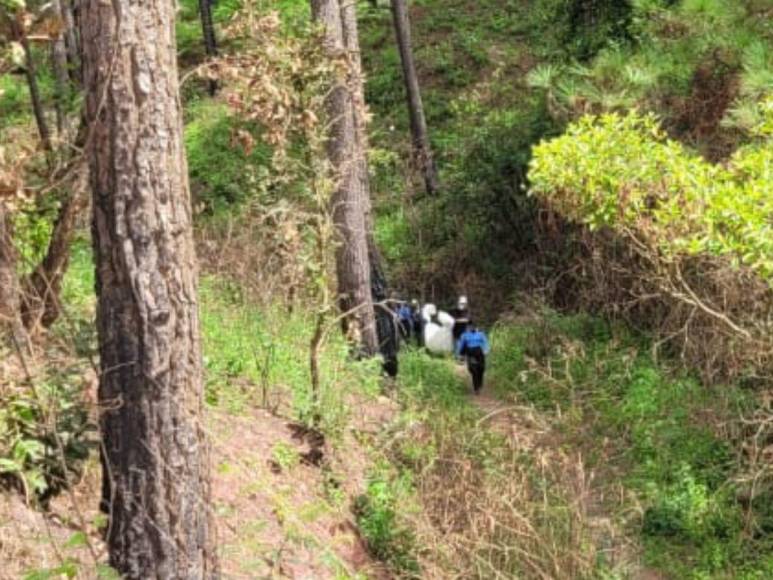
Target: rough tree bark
{"x": 10, "y": 303}
{"x": 344, "y": 151}
{"x": 421, "y": 145}
{"x": 150, "y": 391}
{"x": 210, "y": 40}
{"x": 386, "y": 329}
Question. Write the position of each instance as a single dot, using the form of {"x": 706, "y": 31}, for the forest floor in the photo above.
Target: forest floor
{"x": 534, "y": 433}
{"x": 281, "y": 499}
{"x": 420, "y": 478}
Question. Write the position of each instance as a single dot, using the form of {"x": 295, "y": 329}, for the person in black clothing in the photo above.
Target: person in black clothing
{"x": 461, "y": 316}
{"x": 418, "y": 323}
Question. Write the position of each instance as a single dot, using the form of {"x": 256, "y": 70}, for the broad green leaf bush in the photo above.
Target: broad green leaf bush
{"x": 45, "y": 433}
{"x": 622, "y": 172}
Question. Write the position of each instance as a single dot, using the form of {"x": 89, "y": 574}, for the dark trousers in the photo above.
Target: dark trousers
{"x": 405, "y": 329}
{"x": 476, "y": 364}
{"x": 418, "y": 332}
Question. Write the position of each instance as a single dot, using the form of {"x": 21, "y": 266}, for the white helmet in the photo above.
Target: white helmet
{"x": 462, "y": 301}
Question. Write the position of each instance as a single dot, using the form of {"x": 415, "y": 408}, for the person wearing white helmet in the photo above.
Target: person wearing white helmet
{"x": 461, "y": 316}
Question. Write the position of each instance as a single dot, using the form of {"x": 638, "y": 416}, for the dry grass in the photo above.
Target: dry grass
{"x": 716, "y": 317}
{"x": 501, "y": 499}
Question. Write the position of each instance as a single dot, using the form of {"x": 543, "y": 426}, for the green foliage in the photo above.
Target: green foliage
{"x": 482, "y": 123}
{"x": 223, "y": 174}
{"x": 33, "y": 225}
{"x": 607, "y": 388}
{"x": 190, "y": 41}
{"x": 254, "y": 355}
{"x": 285, "y": 456}
{"x": 44, "y": 433}
{"x": 71, "y": 568}
{"x": 430, "y": 381}
{"x": 14, "y": 100}
{"x": 623, "y": 172}
{"x": 681, "y": 59}
{"x": 378, "y": 519}
{"x": 576, "y": 29}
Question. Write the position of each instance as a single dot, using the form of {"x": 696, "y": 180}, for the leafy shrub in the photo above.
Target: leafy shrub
{"x": 223, "y": 174}
{"x": 579, "y": 29}
{"x": 661, "y": 425}
{"x": 378, "y": 519}
{"x": 44, "y": 435}
{"x": 14, "y": 99}
{"x": 622, "y": 172}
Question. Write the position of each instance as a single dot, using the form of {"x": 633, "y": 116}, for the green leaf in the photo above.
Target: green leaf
{"x": 105, "y": 572}
{"x": 9, "y": 466}
{"x": 77, "y": 540}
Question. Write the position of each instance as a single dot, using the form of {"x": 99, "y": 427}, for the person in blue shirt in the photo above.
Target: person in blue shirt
{"x": 474, "y": 346}
{"x": 405, "y": 320}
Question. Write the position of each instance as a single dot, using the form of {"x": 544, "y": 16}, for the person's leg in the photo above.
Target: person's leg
{"x": 477, "y": 378}
{"x": 477, "y": 367}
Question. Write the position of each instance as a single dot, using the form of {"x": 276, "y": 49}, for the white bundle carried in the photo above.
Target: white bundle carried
{"x": 438, "y": 334}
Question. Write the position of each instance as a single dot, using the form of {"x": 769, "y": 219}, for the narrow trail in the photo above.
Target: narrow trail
{"x": 532, "y": 432}
{"x": 517, "y": 422}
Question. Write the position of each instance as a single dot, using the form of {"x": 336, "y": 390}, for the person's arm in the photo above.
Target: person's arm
{"x": 486, "y": 345}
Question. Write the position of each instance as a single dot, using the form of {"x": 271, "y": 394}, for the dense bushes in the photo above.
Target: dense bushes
{"x": 657, "y": 432}
{"x": 681, "y": 245}
{"x": 223, "y": 174}
{"x": 623, "y": 172}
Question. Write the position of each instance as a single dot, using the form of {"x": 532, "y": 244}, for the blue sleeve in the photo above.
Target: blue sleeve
{"x": 486, "y": 345}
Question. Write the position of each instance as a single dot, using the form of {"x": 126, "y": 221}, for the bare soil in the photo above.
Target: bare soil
{"x": 278, "y": 514}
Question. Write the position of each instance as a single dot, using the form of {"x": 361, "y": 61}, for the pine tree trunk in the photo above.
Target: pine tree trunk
{"x": 32, "y": 82}
{"x": 210, "y": 40}
{"x": 346, "y": 154}
{"x": 385, "y": 327}
{"x": 421, "y": 145}
{"x": 10, "y": 303}
{"x": 155, "y": 452}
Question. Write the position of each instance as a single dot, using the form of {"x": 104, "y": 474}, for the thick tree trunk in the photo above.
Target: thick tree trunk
{"x": 10, "y": 303}
{"x": 344, "y": 150}
{"x": 150, "y": 390}
{"x": 421, "y": 145}
{"x": 41, "y": 306}
{"x": 210, "y": 40}
{"x": 385, "y": 324}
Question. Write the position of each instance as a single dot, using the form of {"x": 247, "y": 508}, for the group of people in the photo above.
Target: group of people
{"x": 469, "y": 344}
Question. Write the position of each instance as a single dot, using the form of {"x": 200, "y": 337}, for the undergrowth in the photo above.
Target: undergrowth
{"x": 258, "y": 356}
{"x": 657, "y": 431}
{"x": 477, "y": 505}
